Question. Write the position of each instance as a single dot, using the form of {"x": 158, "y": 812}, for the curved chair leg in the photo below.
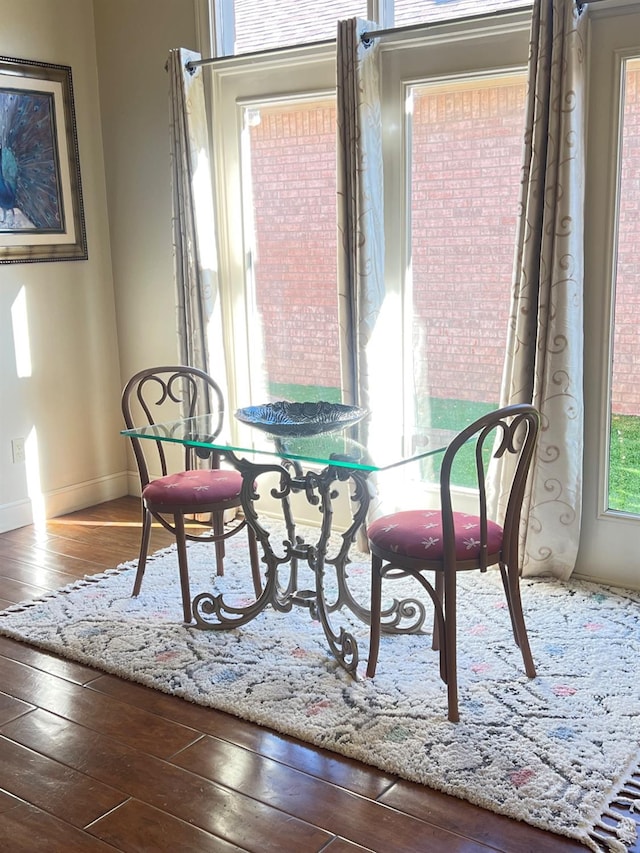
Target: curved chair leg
{"x": 439, "y": 640}
{"x": 511, "y": 582}
{"x": 147, "y": 519}
{"x": 439, "y": 590}
{"x": 181, "y": 543}
{"x": 374, "y": 624}
{"x": 507, "y": 592}
{"x": 451, "y": 652}
{"x": 218, "y": 530}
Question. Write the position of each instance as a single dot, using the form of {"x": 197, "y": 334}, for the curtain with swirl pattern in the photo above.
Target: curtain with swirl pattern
{"x": 544, "y": 360}
{"x": 194, "y": 248}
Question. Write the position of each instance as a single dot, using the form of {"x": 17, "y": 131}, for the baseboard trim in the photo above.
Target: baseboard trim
{"x": 89, "y": 493}
{"x": 15, "y": 515}
{"x": 616, "y": 581}
{"x": 62, "y": 501}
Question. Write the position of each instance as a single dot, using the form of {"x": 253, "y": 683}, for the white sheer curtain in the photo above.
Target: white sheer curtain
{"x": 194, "y": 237}
{"x": 360, "y": 218}
{"x": 361, "y": 291}
{"x": 360, "y": 206}
{"x": 544, "y": 361}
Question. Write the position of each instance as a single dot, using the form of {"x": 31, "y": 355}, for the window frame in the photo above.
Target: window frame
{"x": 236, "y": 84}
{"x": 405, "y": 61}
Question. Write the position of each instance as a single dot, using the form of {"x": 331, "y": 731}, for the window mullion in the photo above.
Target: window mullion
{"x": 381, "y": 11}
{"x": 224, "y": 28}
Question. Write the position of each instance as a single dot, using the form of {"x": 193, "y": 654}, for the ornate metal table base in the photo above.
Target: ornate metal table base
{"x": 212, "y": 613}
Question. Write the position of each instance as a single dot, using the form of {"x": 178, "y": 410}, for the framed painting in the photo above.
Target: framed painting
{"x": 41, "y": 211}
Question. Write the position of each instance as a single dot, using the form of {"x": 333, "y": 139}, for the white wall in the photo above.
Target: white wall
{"x": 70, "y": 399}
{"x": 92, "y": 323}
{"x": 133, "y": 39}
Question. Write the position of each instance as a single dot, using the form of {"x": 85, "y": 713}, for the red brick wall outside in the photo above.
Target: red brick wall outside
{"x": 293, "y": 159}
{"x": 626, "y": 365}
{"x": 466, "y": 161}
{"x": 467, "y": 156}
{"x": 466, "y": 173}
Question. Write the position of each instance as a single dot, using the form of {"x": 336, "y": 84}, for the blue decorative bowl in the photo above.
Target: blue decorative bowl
{"x": 301, "y": 419}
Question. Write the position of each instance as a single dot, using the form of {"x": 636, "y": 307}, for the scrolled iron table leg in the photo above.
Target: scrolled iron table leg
{"x": 342, "y": 643}
{"x": 402, "y": 616}
{"x": 319, "y": 488}
{"x": 207, "y": 604}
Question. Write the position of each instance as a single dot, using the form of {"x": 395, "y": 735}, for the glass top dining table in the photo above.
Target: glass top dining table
{"x": 341, "y": 448}
{"x": 312, "y": 466}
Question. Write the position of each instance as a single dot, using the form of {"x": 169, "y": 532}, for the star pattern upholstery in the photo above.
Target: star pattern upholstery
{"x": 419, "y": 534}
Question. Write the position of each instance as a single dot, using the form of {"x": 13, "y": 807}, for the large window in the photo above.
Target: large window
{"x": 453, "y": 113}
{"x": 453, "y": 121}
{"x": 275, "y": 171}
{"x": 624, "y": 444}
{"x": 289, "y": 172}
{"x": 462, "y": 190}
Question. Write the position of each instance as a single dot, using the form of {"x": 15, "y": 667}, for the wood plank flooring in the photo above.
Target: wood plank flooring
{"x": 89, "y": 762}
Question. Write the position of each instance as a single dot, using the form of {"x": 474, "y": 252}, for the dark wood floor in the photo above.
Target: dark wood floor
{"x": 89, "y": 762}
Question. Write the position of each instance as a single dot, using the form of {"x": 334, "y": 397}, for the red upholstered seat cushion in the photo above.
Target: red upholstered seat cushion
{"x": 193, "y": 488}
{"x": 418, "y": 534}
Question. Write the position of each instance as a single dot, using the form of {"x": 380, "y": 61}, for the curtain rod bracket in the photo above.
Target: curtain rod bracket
{"x": 415, "y": 29}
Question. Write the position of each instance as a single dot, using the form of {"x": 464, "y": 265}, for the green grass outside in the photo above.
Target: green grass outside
{"x": 303, "y": 393}
{"x": 441, "y": 414}
{"x": 306, "y": 394}
{"x": 454, "y": 415}
{"x": 624, "y": 456}
{"x": 624, "y": 464}
{"x": 624, "y": 459}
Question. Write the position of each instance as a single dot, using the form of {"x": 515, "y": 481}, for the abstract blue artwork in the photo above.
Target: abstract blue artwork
{"x": 29, "y": 167}
{"x": 41, "y": 212}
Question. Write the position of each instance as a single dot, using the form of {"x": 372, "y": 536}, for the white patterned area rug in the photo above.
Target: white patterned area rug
{"x": 559, "y": 751}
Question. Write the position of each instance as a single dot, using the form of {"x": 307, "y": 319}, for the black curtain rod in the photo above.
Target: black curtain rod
{"x": 580, "y": 4}
{"x": 368, "y": 37}
{"x": 196, "y": 63}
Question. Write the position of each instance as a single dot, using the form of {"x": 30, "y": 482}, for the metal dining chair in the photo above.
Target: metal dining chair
{"x": 161, "y": 394}
{"x": 445, "y": 541}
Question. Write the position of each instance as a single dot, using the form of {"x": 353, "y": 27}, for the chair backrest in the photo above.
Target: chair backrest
{"x": 160, "y": 394}
{"x": 509, "y": 433}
